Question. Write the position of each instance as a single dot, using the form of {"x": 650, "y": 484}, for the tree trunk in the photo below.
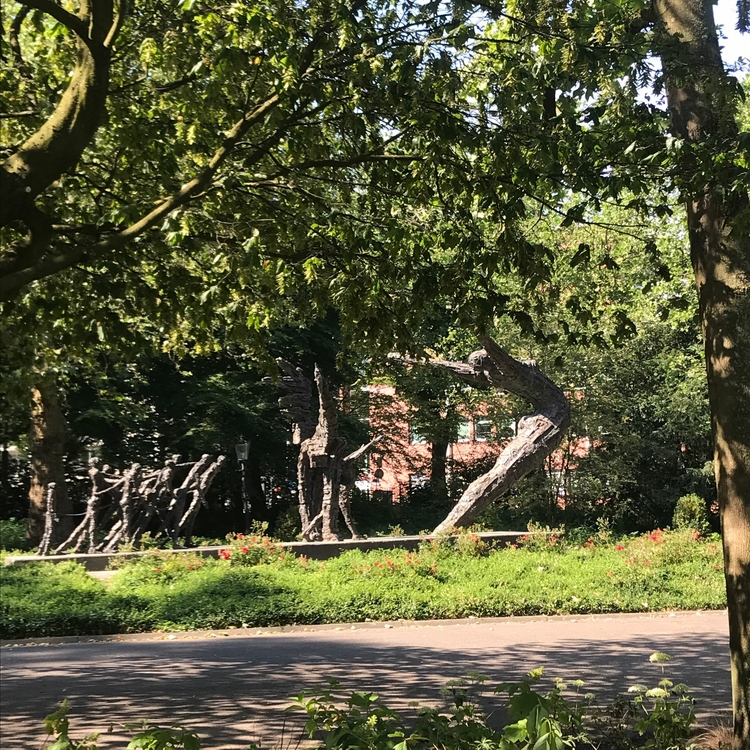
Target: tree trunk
{"x": 701, "y": 108}
{"x": 47, "y": 464}
{"x": 537, "y": 436}
{"x": 59, "y": 143}
{"x": 438, "y": 466}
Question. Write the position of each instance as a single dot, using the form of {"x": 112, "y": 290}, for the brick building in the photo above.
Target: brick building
{"x": 404, "y": 461}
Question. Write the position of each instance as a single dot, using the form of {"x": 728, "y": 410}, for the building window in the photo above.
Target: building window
{"x": 417, "y": 480}
{"x": 482, "y": 429}
{"x": 463, "y": 431}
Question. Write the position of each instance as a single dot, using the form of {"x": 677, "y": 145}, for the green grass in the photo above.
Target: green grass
{"x": 669, "y": 571}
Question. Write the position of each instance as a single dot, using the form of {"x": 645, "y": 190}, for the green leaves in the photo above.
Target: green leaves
{"x": 57, "y": 724}
{"x": 659, "y": 657}
{"x": 154, "y": 737}
{"x": 582, "y": 255}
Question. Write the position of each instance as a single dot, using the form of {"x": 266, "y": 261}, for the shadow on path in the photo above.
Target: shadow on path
{"x": 233, "y": 690}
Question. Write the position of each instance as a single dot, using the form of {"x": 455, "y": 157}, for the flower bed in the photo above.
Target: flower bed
{"x": 259, "y": 584}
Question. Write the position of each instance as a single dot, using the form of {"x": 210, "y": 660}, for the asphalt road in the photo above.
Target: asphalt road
{"x": 232, "y": 688}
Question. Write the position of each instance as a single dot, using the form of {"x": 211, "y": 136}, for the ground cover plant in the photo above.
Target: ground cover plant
{"x": 257, "y": 583}
{"x": 658, "y": 718}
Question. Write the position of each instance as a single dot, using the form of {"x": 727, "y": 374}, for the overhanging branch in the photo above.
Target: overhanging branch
{"x": 538, "y": 434}
{"x": 76, "y": 24}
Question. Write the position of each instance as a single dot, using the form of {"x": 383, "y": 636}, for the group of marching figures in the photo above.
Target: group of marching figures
{"x": 123, "y": 506}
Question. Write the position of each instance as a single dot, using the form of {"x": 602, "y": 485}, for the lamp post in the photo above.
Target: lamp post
{"x": 243, "y": 451}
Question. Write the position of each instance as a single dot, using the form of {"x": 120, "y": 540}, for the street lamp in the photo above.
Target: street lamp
{"x": 243, "y": 452}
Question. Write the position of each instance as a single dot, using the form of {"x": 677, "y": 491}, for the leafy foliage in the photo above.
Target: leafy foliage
{"x": 690, "y": 513}
{"x": 390, "y": 157}
{"x": 12, "y": 534}
{"x": 147, "y": 737}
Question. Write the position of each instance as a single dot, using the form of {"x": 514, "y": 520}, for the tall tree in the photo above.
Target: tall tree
{"x": 701, "y": 98}
{"x": 47, "y": 442}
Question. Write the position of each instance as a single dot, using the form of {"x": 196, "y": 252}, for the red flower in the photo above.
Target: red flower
{"x": 240, "y": 536}
{"x": 225, "y": 554}
{"x": 619, "y": 548}
{"x": 245, "y": 549}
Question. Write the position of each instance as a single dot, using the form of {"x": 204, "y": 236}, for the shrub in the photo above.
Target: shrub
{"x": 43, "y": 599}
{"x": 463, "y": 542}
{"x": 659, "y": 718}
{"x": 542, "y": 537}
{"x": 13, "y": 535}
{"x": 253, "y": 549}
{"x": 287, "y": 527}
{"x": 147, "y": 737}
{"x": 690, "y": 513}
{"x": 446, "y": 578}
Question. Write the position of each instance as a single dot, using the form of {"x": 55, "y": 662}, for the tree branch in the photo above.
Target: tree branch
{"x": 18, "y": 174}
{"x": 15, "y": 115}
{"x": 537, "y": 436}
{"x": 15, "y": 45}
{"x": 114, "y": 30}
{"x": 12, "y": 282}
{"x": 23, "y": 254}
{"x": 77, "y": 25}
{"x": 58, "y": 144}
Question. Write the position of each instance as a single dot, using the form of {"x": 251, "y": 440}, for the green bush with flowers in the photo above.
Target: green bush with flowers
{"x": 253, "y": 549}
{"x": 260, "y": 583}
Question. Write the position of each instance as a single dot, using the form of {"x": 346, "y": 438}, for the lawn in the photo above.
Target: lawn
{"x": 261, "y": 585}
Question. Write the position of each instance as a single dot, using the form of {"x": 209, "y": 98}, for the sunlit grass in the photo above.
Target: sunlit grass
{"x": 661, "y": 571}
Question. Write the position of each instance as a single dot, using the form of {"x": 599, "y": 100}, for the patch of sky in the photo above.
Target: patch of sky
{"x": 734, "y": 44}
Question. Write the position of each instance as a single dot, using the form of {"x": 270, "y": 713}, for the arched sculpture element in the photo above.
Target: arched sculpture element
{"x": 537, "y": 435}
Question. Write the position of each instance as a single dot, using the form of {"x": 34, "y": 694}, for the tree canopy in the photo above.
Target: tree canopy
{"x": 259, "y": 163}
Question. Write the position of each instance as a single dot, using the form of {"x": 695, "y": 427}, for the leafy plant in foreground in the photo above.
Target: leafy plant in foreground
{"x": 659, "y": 718}
{"x": 149, "y": 737}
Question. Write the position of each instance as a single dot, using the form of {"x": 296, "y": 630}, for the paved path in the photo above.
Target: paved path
{"x": 232, "y": 690}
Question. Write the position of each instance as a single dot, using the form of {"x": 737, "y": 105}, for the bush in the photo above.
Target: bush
{"x": 287, "y": 526}
{"x": 690, "y": 513}
{"x": 13, "y": 535}
{"x": 44, "y": 599}
{"x": 253, "y": 549}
